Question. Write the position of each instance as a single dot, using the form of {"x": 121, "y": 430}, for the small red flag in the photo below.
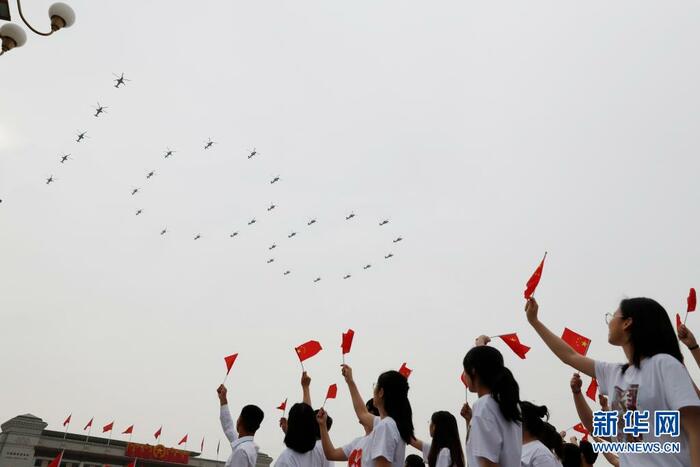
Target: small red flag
{"x": 67, "y": 421}
{"x": 182, "y": 441}
{"x": 534, "y": 279}
{"x": 592, "y": 389}
{"x": 347, "y": 341}
{"x": 515, "y": 345}
{"x": 283, "y": 405}
{"x": 89, "y": 424}
{"x": 229, "y": 362}
{"x": 463, "y": 378}
{"x": 678, "y": 321}
{"x": 405, "y": 371}
{"x": 129, "y": 430}
{"x": 201, "y": 446}
{"x": 577, "y": 342}
{"x": 107, "y": 427}
{"x": 131, "y": 464}
{"x": 332, "y": 391}
{"x": 580, "y": 428}
{"x": 156, "y": 435}
{"x": 308, "y": 350}
{"x": 692, "y": 300}
{"x": 56, "y": 462}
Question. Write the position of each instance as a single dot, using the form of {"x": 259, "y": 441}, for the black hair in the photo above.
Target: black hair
{"x": 572, "y": 456}
{"x": 446, "y": 435}
{"x": 651, "y": 332}
{"x": 589, "y": 455}
{"x": 487, "y": 363}
{"x": 371, "y": 408}
{"x": 251, "y": 417}
{"x": 535, "y": 422}
{"x": 414, "y": 460}
{"x": 396, "y": 403}
{"x": 300, "y": 435}
{"x": 329, "y": 424}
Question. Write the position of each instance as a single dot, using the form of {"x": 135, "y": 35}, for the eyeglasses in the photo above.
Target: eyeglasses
{"x": 609, "y": 317}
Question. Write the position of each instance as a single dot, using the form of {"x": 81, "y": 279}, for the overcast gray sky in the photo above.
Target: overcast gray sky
{"x": 487, "y": 132}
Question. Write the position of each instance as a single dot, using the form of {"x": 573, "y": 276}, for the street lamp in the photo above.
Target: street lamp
{"x": 11, "y": 35}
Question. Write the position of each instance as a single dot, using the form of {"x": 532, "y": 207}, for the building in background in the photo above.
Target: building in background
{"x": 25, "y": 442}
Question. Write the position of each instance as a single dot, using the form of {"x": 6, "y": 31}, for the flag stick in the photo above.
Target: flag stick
{"x": 110, "y": 436}
{"x": 225, "y": 377}
{"x": 324, "y": 403}
{"x": 88, "y": 436}
{"x": 132, "y": 432}
{"x": 343, "y": 359}
{"x": 686, "y": 317}
{"x": 302, "y": 366}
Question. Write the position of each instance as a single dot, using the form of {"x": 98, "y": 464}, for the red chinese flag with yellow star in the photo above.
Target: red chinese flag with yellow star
{"x": 580, "y": 428}
{"x": 308, "y": 350}
{"x": 577, "y": 342}
{"x": 534, "y": 279}
{"x": 592, "y": 389}
{"x": 515, "y": 345}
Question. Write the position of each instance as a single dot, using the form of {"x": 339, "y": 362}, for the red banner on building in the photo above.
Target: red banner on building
{"x": 159, "y": 452}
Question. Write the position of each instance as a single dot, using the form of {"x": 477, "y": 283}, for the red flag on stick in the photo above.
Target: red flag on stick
{"x": 405, "y": 371}
{"x": 332, "y": 391}
{"x": 129, "y": 430}
{"x": 89, "y": 424}
{"x": 534, "y": 279}
{"x": 592, "y": 390}
{"x": 56, "y": 462}
{"x": 463, "y": 379}
{"x": 132, "y": 463}
{"x": 308, "y": 350}
{"x": 230, "y": 360}
{"x": 182, "y": 441}
{"x": 577, "y": 342}
{"x": 67, "y": 421}
{"x": 108, "y": 427}
{"x": 283, "y": 406}
{"x": 347, "y": 341}
{"x": 580, "y": 428}
{"x": 157, "y": 434}
{"x": 692, "y": 300}
{"x": 515, "y": 345}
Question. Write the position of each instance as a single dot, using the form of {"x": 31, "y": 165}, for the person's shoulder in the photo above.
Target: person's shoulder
{"x": 664, "y": 359}
{"x": 485, "y": 404}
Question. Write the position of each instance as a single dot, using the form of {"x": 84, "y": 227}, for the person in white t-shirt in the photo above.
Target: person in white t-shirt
{"x": 494, "y": 436}
{"x": 653, "y": 378}
{"x": 445, "y": 449}
{"x": 536, "y": 433}
{"x": 351, "y": 452}
{"x": 244, "y": 452}
{"x": 300, "y": 439}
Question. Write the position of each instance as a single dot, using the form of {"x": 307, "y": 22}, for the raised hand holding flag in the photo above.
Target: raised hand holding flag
{"x": 534, "y": 279}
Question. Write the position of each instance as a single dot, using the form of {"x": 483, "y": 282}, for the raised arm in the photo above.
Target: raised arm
{"x": 305, "y": 388}
{"x": 331, "y": 452}
{"x": 366, "y": 418}
{"x": 225, "y": 415}
{"x": 585, "y": 414}
{"x": 466, "y": 413}
{"x": 555, "y": 343}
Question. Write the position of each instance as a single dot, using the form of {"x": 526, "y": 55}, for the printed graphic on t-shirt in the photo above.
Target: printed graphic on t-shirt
{"x": 355, "y": 458}
{"x": 623, "y": 401}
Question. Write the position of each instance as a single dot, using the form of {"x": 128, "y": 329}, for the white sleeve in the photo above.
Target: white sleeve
{"x": 426, "y": 451}
{"x": 444, "y": 459}
{"x": 485, "y": 438}
{"x": 227, "y": 423}
{"x": 677, "y": 385}
{"x": 384, "y": 443}
{"x": 543, "y": 460}
{"x": 350, "y": 447}
{"x": 604, "y": 373}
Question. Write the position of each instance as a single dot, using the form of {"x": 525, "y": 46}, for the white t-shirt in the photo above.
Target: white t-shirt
{"x": 661, "y": 383}
{"x": 492, "y": 437}
{"x": 536, "y": 454}
{"x": 384, "y": 441}
{"x": 320, "y": 456}
{"x": 244, "y": 452}
{"x": 291, "y": 458}
{"x": 443, "y": 459}
{"x": 354, "y": 449}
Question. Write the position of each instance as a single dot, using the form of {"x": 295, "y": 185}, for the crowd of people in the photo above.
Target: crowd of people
{"x": 501, "y": 429}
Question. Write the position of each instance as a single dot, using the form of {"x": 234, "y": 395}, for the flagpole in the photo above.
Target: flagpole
{"x": 131, "y": 433}
{"x": 110, "y": 436}
{"x": 88, "y": 436}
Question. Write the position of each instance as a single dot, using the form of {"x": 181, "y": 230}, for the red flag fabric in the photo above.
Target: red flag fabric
{"x": 56, "y": 462}
{"x": 463, "y": 378}
{"x": 156, "y": 435}
{"x": 347, "y": 341}
{"x": 308, "y": 350}
{"x": 515, "y": 345}
{"x": 283, "y": 405}
{"x": 89, "y": 424}
{"x": 229, "y": 362}
{"x": 577, "y": 342}
{"x": 131, "y": 464}
{"x": 678, "y": 321}
{"x": 129, "y": 430}
{"x": 201, "y": 446}
{"x": 67, "y": 421}
{"x": 405, "y": 371}
{"x": 580, "y": 428}
{"x": 107, "y": 427}
{"x": 534, "y": 279}
{"x": 332, "y": 391}
{"x": 692, "y": 300}
{"x": 592, "y": 389}
{"x": 182, "y": 441}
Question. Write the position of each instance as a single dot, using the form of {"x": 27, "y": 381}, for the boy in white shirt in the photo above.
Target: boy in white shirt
{"x": 244, "y": 452}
